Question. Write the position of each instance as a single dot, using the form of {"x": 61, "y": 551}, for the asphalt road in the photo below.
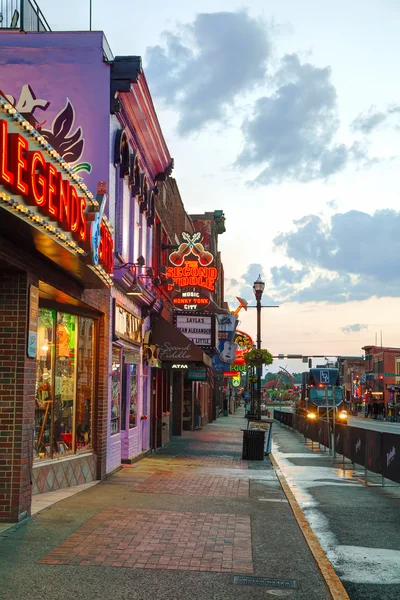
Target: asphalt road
{"x": 363, "y": 423}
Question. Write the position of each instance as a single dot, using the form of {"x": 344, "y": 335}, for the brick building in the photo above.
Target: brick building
{"x": 54, "y": 322}
{"x": 380, "y": 373}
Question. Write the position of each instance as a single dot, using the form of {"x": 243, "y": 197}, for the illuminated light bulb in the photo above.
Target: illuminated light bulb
{"x": 45, "y": 348}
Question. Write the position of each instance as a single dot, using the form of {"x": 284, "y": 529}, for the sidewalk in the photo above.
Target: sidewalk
{"x": 182, "y": 523}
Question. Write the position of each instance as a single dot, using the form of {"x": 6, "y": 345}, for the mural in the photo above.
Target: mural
{"x": 68, "y": 143}
{"x": 60, "y": 83}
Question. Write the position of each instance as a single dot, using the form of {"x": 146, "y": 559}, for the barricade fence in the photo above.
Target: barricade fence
{"x": 376, "y": 451}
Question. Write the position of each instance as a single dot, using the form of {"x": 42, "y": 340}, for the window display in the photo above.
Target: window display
{"x": 115, "y": 390}
{"x": 132, "y": 395}
{"x": 85, "y": 384}
{"x": 64, "y": 384}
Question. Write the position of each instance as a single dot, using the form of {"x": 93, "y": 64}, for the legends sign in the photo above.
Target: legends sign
{"x": 40, "y": 188}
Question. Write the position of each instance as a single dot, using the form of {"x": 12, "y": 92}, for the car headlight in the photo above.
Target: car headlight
{"x": 343, "y": 415}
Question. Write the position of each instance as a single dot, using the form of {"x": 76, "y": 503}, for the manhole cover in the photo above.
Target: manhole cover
{"x": 287, "y": 584}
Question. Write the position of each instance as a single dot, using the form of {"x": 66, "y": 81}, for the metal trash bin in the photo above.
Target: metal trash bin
{"x": 253, "y": 444}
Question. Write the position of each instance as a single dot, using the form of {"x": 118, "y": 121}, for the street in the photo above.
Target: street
{"x": 357, "y": 524}
{"x": 373, "y": 424}
{"x": 182, "y": 523}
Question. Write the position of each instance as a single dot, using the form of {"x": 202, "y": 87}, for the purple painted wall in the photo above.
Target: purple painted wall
{"x": 60, "y": 81}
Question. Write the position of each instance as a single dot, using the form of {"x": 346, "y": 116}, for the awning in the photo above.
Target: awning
{"x": 173, "y": 346}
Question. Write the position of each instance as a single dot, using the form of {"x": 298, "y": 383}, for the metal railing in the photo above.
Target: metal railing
{"x": 24, "y": 15}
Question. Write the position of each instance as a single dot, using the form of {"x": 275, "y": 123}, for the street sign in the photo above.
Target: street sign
{"x": 294, "y": 356}
{"x": 389, "y": 375}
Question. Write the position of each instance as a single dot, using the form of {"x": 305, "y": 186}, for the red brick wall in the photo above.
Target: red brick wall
{"x": 17, "y": 373}
{"x": 101, "y": 300}
{"x": 17, "y": 390}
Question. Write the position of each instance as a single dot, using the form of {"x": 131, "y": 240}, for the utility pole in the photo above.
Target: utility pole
{"x": 327, "y": 417}
{"x": 334, "y": 418}
{"x": 90, "y": 15}
{"x": 258, "y": 289}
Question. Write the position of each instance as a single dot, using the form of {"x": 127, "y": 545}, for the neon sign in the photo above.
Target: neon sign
{"x": 44, "y": 191}
{"x": 28, "y": 174}
{"x": 191, "y": 301}
{"x": 244, "y": 342}
{"x": 195, "y": 272}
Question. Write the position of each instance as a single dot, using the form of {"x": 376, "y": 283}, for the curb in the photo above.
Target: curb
{"x": 334, "y": 584}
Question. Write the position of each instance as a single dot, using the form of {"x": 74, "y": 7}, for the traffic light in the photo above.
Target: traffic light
{"x": 380, "y": 377}
{"x": 310, "y": 363}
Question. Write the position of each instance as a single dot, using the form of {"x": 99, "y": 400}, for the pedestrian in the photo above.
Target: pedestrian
{"x": 197, "y": 414}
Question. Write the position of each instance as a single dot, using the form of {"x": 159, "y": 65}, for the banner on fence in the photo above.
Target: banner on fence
{"x": 391, "y": 456}
{"x": 373, "y": 450}
{"x": 357, "y": 445}
{"x": 323, "y": 434}
{"x": 339, "y": 438}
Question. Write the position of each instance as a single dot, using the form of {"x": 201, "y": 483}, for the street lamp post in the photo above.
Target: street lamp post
{"x": 258, "y": 288}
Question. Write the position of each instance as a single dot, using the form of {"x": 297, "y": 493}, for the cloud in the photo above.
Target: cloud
{"x": 353, "y": 242}
{"x": 353, "y": 257}
{"x": 244, "y": 287}
{"x": 206, "y": 66}
{"x": 367, "y": 122}
{"x": 253, "y": 271}
{"x": 332, "y": 204}
{"x": 355, "y": 328}
{"x": 287, "y": 275}
{"x": 292, "y": 131}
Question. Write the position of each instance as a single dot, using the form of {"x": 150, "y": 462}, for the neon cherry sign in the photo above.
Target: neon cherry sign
{"x": 191, "y": 264}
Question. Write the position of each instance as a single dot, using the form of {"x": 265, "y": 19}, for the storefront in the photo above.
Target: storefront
{"x": 128, "y": 413}
{"x": 393, "y": 408}
{"x": 183, "y": 378}
{"x": 375, "y": 405}
{"x": 55, "y": 265}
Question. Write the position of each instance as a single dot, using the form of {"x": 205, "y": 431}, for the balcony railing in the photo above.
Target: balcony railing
{"x": 24, "y": 15}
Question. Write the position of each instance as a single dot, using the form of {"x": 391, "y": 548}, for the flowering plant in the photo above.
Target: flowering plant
{"x": 257, "y": 358}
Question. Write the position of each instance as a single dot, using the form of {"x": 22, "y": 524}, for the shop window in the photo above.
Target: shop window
{"x": 64, "y": 384}
{"x": 115, "y": 390}
{"x": 132, "y": 395}
{"x": 43, "y": 442}
{"x": 85, "y": 384}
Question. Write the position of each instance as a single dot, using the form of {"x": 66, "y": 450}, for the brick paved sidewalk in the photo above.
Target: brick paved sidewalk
{"x": 181, "y": 524}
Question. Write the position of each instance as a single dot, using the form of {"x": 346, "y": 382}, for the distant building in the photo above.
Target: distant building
{"x": 380, "y": 372}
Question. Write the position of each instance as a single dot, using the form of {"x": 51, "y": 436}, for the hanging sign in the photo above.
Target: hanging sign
{"x": 190, "y": 264}
{"x": 197, "y": 374}
{"x": 191, "y": 301}
{"x": 227, "y": 348}
{"x": 244, "y": 343}
{"x": 126, "y": 325}
{"x": 40, "y": 188}
{"x": 199, "y": 329}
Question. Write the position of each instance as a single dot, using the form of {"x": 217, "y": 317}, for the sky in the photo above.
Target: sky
{"x": 285, "y": 115}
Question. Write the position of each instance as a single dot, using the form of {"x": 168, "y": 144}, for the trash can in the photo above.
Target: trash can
{"x": 253, "y": 444}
